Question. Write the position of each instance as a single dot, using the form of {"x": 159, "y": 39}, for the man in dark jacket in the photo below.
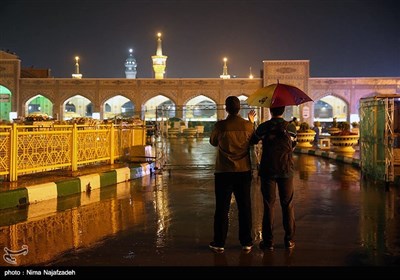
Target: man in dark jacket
{"x": 276, "y": 169}
{"x": 232, "y": 174}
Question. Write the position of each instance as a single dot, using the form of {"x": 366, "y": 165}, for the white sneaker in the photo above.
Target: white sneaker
{"x": 215, "y": 248}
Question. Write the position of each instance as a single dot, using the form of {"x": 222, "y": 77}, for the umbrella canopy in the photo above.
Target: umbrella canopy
{"x": 277, "y": 95}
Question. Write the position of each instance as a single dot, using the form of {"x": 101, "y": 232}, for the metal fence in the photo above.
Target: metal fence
{"x": 202, "y": 117}
{"x": 379, "y": 136}
{"x": 37, "y": 148}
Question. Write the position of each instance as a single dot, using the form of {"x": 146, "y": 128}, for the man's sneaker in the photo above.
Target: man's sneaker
{"x": 289, "y": 244}
{"x": 215, "y": 248}
{"x": 247, "y": 248}
{"x": 267, "y": 245}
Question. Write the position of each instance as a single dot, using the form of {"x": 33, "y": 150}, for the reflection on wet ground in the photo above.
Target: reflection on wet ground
{"x": 166, "y": 220}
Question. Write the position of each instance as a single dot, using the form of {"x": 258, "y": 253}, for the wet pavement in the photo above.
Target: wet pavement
{"x": 165, "y": 221}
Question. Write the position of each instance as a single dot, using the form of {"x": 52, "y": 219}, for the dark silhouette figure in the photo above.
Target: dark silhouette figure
{"x": 232, "y": 174}
{"x": 276, "y": 170}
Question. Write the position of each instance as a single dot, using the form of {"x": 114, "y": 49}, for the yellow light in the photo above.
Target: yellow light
{"x": 77, "y": 58}
{"x": 251, "y": 74}
{"x": 225, "y": 59}
{"x": 158, "y": 34}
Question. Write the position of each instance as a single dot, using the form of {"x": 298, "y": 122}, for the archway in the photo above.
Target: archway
{"x": 330, "y": 107}
{"x": 118, "y": 106}
{"x": 200, "y": 109}
{"x": 76, "y": 107}
{"x": 159, "y": 107}
{"x": 39, "y": 103}
{"x": 166, "y": 110}
{"x": 5, "y": 103}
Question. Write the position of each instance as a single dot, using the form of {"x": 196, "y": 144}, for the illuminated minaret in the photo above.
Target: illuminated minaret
{"x": 130, "y": 66}
{"x": 225, "y": 71}
{"x": 159, "y": 60}
{"x": 251, "y": 74}
{"x": 77, "y": 75}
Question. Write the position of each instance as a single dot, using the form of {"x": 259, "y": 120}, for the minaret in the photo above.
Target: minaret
{"x": 130, "y": 66}
{"x": 251, "y": 74}
{"x": 225, "y": 71}
{"x": 159, "y": 60}
{"x": 77, "y": 75}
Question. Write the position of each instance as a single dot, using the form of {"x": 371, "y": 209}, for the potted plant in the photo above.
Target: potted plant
{"x": 344, "y": 140}
{"x": 334, "y": 128}
{"x": 174, "y": 128}
{"x": 200, "y": 129}
{"x": 305, "y": 136}
{"x": 190, "y": 131}
{"x": 304, "y": 127}
{"x": 355, "y": 127}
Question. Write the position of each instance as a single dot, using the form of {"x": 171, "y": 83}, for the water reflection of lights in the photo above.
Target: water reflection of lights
{"x": 82, "y": 221}
{"x": 380, "y": 226}
{"x": 348, "y": 176}
{"x": 161, "y": 207}
{"x": 306, "y": 166}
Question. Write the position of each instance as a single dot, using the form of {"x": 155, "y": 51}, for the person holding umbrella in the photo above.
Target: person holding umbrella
{"x": 276, "y": 166}
{"x": 232, "y": 174}
{"x": 276, "y": 169}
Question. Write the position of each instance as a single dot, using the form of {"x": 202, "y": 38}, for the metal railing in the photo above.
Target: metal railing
{"x": 37, "y": 148}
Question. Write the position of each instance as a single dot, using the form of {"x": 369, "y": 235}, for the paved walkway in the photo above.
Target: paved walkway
{"x": 165, "y": 221}
{"x": 39, "y": 186}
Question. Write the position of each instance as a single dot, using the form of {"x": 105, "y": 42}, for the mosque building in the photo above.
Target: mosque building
{"x": 26, "y": 90}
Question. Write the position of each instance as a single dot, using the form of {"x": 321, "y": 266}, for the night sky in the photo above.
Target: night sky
{"x": 341, "y": 38}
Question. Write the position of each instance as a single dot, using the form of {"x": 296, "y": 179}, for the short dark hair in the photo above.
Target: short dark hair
{"x": 277, "y": 111}
{"x": 232, "y": 105}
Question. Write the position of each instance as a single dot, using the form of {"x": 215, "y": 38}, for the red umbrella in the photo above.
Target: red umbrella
{"x": 277, "y": 95}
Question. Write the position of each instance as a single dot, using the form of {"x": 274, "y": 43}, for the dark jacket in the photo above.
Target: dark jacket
{"x": 282, "y": 164}
{"x": 232, "y": 137}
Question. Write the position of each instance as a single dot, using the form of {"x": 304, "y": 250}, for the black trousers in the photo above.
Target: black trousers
{"x": 239, "y": 184}
{"x": 286, "y": 191}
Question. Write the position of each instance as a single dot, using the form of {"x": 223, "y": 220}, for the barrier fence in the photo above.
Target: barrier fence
{"x": 37, "y": 148}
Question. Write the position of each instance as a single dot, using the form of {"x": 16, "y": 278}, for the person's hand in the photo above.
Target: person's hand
{"x": 251, "y": 115}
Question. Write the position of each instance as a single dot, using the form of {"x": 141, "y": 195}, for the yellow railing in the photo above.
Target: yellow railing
{"x": 35, "y": 148}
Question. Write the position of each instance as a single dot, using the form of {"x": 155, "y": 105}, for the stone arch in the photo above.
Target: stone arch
{"x": 6, "y": 87}
{"x": 42, "y": 93}
{"x": 153, "y": 108}
{"x": 200, "y": 108}
{"x": 338, "y": 106}
{"x": 39, "y": 103}
{"x": 332, "y": 93}
{"x": 109, "y": 96}
{"x": 151, "y": 95}
{"x": 209, "y": 96}
{"x": 75, "y": 106}
{"x": 6, "y": 103}
{"x": 88, "y": 95}
{"x": 119, "y": 105}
